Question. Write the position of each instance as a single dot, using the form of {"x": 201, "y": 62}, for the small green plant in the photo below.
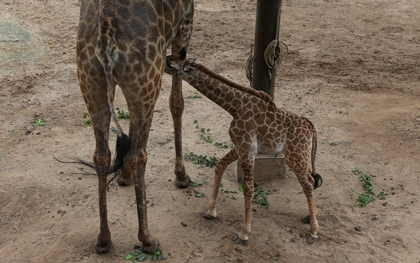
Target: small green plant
{"x": 39, "y": 122}
{"x": 260, "y": 197}
{"x": 122, "y": 114}
{"x": 196, "y": 122}
{"x": 221, "y": 145}
{"x": 195, "y": 95}
{"x": 223, "y": 191}
{"x": 206, "y": 137}
{"x": 195, "y": 184}
{"x": 87, "y": 119}
{"x": 368, "y": 197}
{"x": 139, "y": 255}
{"x": 201, "y": 159}
{"x": 198, "y": 194}
{"x": 364, "y": 199}
{"x": 114, "y": 130}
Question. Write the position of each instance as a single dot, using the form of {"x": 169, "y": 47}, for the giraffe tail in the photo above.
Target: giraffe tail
{"x": 317, "y": 177}
{"x": 106, "y": 46}
{"x": 105, "y": 53}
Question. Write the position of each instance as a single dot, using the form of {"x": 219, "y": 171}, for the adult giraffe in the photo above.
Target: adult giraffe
{"x": 124, "y": 42}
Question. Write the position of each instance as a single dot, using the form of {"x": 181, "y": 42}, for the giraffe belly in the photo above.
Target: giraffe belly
{"x": 270, "y": 148}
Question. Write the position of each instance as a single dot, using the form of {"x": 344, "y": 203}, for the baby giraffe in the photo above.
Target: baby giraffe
{"x": 258, "y": 126}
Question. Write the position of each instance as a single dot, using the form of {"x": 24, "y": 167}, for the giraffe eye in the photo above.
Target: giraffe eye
{"x": 170, "y": 65}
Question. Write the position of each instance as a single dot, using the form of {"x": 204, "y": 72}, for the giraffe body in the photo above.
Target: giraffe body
{"x": 258, "y": 126}
{"x": 124, "y": 42}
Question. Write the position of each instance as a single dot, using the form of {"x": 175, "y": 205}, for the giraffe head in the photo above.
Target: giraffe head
{"x": 178, "y": 64}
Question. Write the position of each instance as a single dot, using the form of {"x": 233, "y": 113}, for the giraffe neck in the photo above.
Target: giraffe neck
{"x": 229, "y": 95}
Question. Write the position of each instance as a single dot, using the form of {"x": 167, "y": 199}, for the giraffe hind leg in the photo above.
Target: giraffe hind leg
{"x": 248, "y": 184}
{"x": 307, "y": 181}
{"x": 317, "y": 183}
{"x": 311, "y": 219}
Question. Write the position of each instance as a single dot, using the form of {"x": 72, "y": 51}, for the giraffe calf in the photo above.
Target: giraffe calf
{"x": 258, "y": 126}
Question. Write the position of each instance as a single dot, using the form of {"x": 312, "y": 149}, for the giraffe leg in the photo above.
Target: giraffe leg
{"x": 307, "y": 219}
{"x": 176, "y": 104}
{"x": 220, "y": 169}
{"x": 124, "y": 175}
{"x": 102, "y": 160}
{"x": 307, "y": 186}
{"x": 176, "y": 99}
{"x": 94, "y": 93}
{"x": 248, "y": 183}
{"x": 136, "y": 161}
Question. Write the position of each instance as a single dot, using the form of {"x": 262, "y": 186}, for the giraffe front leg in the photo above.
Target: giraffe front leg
{"x": 248, "y": 183}
{"x": 176, "y": 104}
{"x": 230, "y": 157}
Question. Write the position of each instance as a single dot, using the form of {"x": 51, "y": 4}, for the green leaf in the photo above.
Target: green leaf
{"x": 142, "y": 257}
{"x": 128, "y": 256}
{"x": 195, "y": 184}
{"x": 39, "y": 122}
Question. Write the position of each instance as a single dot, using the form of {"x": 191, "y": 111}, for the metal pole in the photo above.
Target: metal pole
{"x": 265, "y": 31}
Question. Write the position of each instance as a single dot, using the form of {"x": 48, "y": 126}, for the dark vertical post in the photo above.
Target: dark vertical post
{"x": 265, "y": 32}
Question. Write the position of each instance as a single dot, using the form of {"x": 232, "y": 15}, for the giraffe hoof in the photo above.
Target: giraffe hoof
{"x": 311, "y": 239}
{"x": 101, "y": 249}
{"x": 184, "y": 183}
{"x": 208, "y": 216}
{"x": 238, "y": 240}
{"x": 150, "y": 249}
{"x": 306, "y": 220}
{"x": 124, "y": 182}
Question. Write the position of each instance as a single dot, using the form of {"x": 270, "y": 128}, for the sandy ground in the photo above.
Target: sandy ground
{"x": 353, "y": 69}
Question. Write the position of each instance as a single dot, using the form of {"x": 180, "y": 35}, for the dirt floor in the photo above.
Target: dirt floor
{"x": 352, "y": 68}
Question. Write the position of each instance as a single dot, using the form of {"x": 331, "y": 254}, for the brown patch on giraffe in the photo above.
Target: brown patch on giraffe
{"x": 139, "y": 55}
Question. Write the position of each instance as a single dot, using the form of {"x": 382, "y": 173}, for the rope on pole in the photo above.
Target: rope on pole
{"x": 248, "y": 65}
{"x": 273, "y": 54}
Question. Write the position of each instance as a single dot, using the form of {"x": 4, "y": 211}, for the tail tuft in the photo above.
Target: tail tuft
{"x": 318, "y": 180}
{"x": 123, "y": 145}
{"x": 121, "y": 150}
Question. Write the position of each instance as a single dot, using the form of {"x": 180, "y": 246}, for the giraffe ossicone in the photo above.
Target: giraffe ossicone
{"x": 124, "y": 42}
{"x": 258, "y": 126}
